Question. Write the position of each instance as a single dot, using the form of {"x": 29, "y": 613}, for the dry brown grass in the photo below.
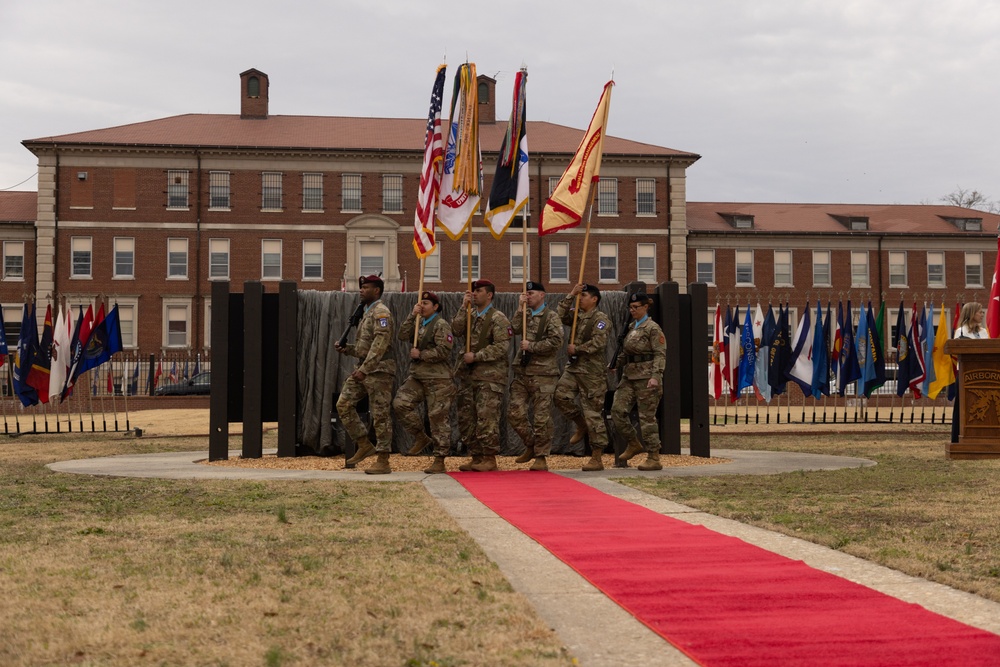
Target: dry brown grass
{"x": 915, "y": 511}
{"x": 107, "y": 571}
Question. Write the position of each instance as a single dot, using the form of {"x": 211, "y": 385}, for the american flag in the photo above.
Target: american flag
{"x": 430, "y": 174}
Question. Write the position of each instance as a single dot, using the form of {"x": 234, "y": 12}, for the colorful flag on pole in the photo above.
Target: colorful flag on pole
{"x": 133, "y": 387}
{"x": 780, "y": 353}
{"x": 159, "y": 372}
{"x": 509, "y": 193}
{"x": 714, "y": 369}
{"x": 461, "y": 178}
{"x": 801, "y": 364}
{"x": 918, "y": 371}
{"x": 944, "y": 372}
{"x": 748, "y": 359}
{"x": 820, "y": 385}
{"x": 767, "y": 333}
{"x": 568, "y": 200}
{"x": 993, "y": 308}
{"x": 38, "y": 375}
{"x": 104, "y": 341}
{"x": 430, "y": 173}
{"x": 27, "y": 347}
{"x": 61, "y": 336}
{"x": 876, "y": 334}
{"x": 75, "y": 354}
{"x": 4, "y": 351}
{"x": 927, "y": 338}
{"x": 901, "y": 341}
{"x": 735, "y": 353}
{"x": 850, "y": 366}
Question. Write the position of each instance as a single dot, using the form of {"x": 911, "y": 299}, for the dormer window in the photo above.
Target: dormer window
{"x": 967, "y": 224}
{"x": 855, "y": 223}
{"x": 738, "y": 220}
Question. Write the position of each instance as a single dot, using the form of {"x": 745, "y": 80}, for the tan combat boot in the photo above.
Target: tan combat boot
{"x": 419, "y": 444}
{"x": 437, "y": 466}
{"x": 596, "y": 461}
{"x": 381, "y": 466}
{"x": 580, "y": 434}
{"x": 364, "y": 450}
{"x": 526, "y": 455}
{"x": 652, "y": 462}
{"x": 634, "y": 447}
{"x": 468, "y": 465}
{"x": 487, "y": 464}
{"x": 539, "y": 464}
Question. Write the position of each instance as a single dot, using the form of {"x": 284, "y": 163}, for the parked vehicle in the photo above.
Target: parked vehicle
{"x": 200, "y": 384}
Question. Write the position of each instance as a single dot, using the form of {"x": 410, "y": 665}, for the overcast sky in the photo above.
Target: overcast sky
{"x": 891, "y": 101}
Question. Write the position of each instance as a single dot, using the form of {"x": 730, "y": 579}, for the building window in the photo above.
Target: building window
{"x": 126, "y": 320}
{"x": 897, "y": 268}
{"x": 218, "y": 259}
{"x": 859, "y": 268}
{"x": 81, "y": 250}
{"x": 12, "y": 325}
{"x": 253, "y": 87}
{"x": 312, "y": 260}
{"x": 351, "y": 193}
{"x": 312, "y": 192}
{"x": 177, "y": 319}
{"x": 270, "y": 259}
{"x": 124, "y": 258}
{"x": 218, "y": 190}
{"x": 821, "y": 268}
{"x": 559, "y": 262}
{"x": 372, "y": 260}
{"x": 392, "y": 193}
{"x": 13, "y": 260}
{"x": 744, "y": 267}
{"x": 705, "y": 266}
{"x": 177, "y": 258}
{"x": 974, "y": 269}
{"x": 607, "y": 262}
{"x": 935, "y": 269}
{"x": 783, "y": 268}
{"x": 432, "y": 265}
{"x": 465, "y": 261}
{"x": 645, "y": 262}
{"x": 645, "y": 196}
{"x": 517, "y": 261}
{"x": 271, "y": 188}
{"x": 177, "y": 189}
{"x": 553, "y": 182}
{"x": 607, "y": 196}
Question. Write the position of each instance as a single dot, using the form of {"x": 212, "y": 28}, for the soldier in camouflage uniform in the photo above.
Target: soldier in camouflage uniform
{"x": 482, "y": 376}
{"x": 585, "y": 375}
{"x": 643, "y": 359}
{"x": 430, "y": 380}
{"x": 373, "y": 378}
{"x": 536, "y": 373}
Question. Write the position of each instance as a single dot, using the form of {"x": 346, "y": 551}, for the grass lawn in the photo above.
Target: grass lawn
{"x": 109, "y": 571}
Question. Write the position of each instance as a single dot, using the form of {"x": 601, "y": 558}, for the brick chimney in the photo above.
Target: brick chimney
{"x": 253, "y": 94}
{"x": 487, "y": 99}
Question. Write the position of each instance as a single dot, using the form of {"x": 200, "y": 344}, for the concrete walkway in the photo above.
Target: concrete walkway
{"x": 594, "y": 629}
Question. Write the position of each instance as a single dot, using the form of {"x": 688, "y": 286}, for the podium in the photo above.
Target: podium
{"x": 979, "y": 398}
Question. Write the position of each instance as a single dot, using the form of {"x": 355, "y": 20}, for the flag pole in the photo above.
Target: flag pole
{"x": 524, "y": 273}
{"x": 420, "y": 291}
{"x": 468, "y": 309}
{"x": 583, "y": 262}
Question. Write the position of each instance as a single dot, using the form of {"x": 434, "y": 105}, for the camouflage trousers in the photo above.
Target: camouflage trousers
{"x": 378, "y": 388}
{"x": 438, "y": 395}
{"x": 532, "y": 393}
{"x": 632, "y": 392}
{"x": 479, "y": 405}
{"x": 591, "y": 390}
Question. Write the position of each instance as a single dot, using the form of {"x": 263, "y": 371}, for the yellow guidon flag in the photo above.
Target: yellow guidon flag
{"x": 569, "y": 199}
{"x": 944, "y": 373}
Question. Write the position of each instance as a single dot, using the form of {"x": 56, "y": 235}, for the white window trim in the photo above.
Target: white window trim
{"x": 982, "y": 273}
{"x": 229, "y": 191}
{"x": 637, "y": 277}
{"x": 608, "y": 281}
{"x": 187, "y": 258}
{"x": 321, "y": 263}
{"x": 477, "y": 253}
{"x": 114, "y": 259}
{"x": 944, "y": 270}
{"x": 696, "y": 276}
{"x": 639, "y": 214}
{"x": 281, "y": 260}
{"x": 525, "y": 260}
{"x": 133, "y": 303}
{"x": 736, "y": 268}
{"x": 829, "y": 269}
{"x": 387, "y": 211}
{"x": 175, "y": 302}
{"x": 435, "y": 253}
{"x": 560, "y": 281}
{"x": 81, "y": 276}
{"x": 868, "y": 270}
{"x": 791, "y": 269}
{"x": 598, "y": 202}
{"x": 281, "y": 188}
{"x": 13, "y": 279}
{"x": 906, "y": 270}
{"x": 361, "y": 193}
{"x": 229, "y": 259}
{"x": 187, "y": 187}
{"x": 322, "y": 192}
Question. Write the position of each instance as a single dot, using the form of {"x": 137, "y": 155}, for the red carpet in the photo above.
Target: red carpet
{"x": 721, "y": 601}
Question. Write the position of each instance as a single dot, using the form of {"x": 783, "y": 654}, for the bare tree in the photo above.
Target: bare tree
{"x": 967, "y": 198}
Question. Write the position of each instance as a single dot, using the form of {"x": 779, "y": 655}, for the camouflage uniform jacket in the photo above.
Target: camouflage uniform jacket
{"x": 644, "y": 352}
{"x": 491, "y": 334}
{"x": 591, "y": 337}
{"x": 545, "y": 337}
{"x": 373, "y": 345}
{"x": 434, "y": 340}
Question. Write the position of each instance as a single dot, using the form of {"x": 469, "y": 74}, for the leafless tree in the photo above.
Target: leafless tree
{"x": 968, "y": 198}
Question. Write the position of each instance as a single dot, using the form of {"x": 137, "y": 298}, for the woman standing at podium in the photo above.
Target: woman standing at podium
{"x": 970, "y": 325}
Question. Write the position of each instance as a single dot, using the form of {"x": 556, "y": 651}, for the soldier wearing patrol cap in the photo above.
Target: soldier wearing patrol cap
{"x": 585, "y": 375}
{"x": 482, "y": 376}
{"x": 430, "y": 380}
{"x": 643, "y": 359}
{"x": 373, "y": 378}
{"x": 536, "y": 372}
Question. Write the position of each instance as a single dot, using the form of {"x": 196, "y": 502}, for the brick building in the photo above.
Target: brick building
{"x": 149, "y": 214}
